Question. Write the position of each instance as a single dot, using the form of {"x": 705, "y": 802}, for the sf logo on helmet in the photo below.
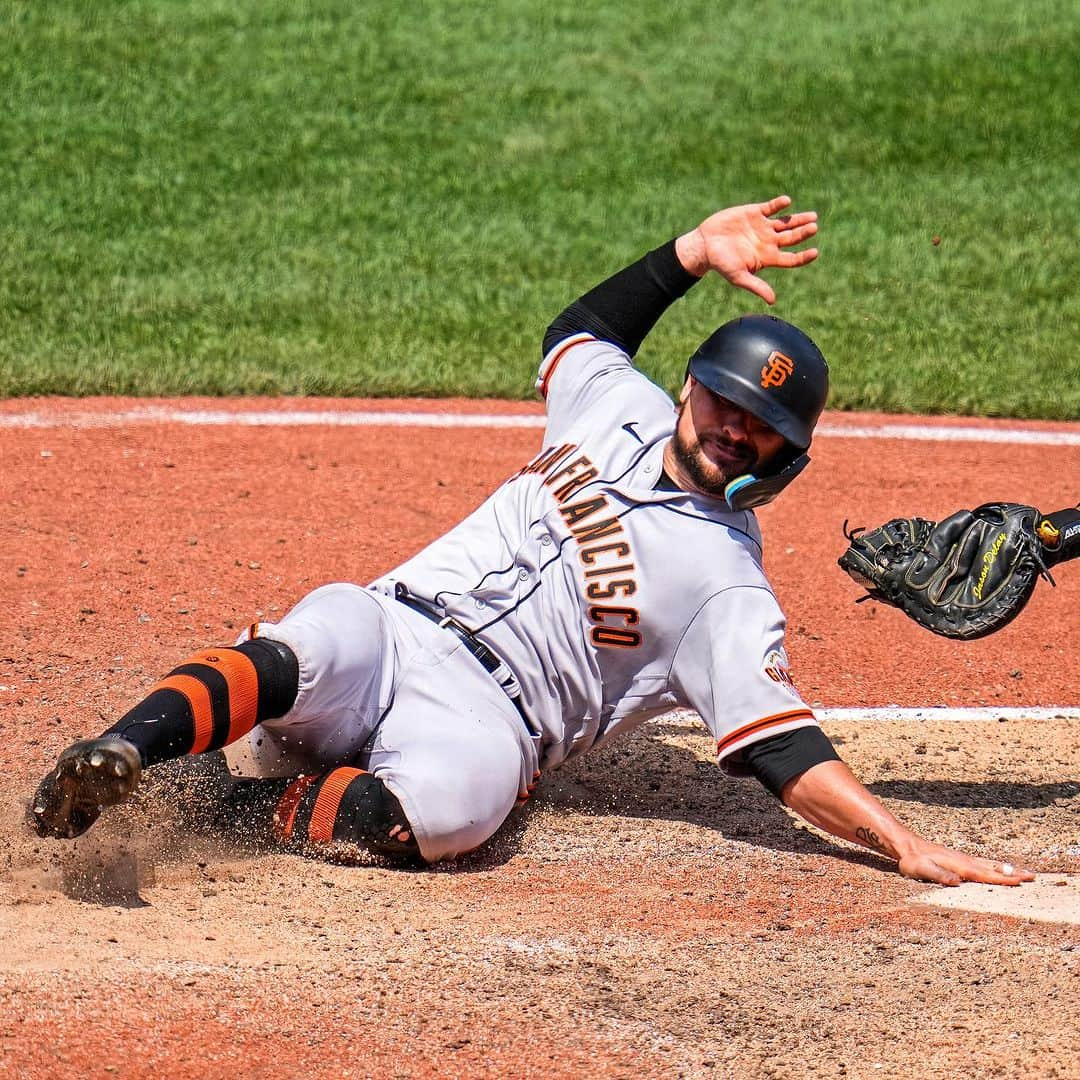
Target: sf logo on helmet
{"x": 776, "y": 370}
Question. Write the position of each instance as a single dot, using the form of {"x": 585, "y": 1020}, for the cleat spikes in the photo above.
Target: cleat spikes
{"x": 88, "y": 776}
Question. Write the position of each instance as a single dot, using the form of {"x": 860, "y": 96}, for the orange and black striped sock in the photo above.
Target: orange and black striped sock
{"x": 212, "y": 699}
{"x": 344, "y": 806}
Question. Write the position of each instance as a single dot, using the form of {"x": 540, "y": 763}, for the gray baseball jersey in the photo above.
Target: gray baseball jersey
{"x": 610, "y": 599}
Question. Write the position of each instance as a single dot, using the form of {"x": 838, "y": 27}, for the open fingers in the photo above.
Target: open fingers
{"x": 790, "y": 237}
{"x": 928, "y": 869}
{"x": 994, "y": 873}
{"x": 948, "y": 868}
{"x": 756, "y": 285}
{"x": 1003, "y": 874}
{"x": 794, "y": 258}
{"x": 776, "y": 203}
{"x": 793, "y": 221}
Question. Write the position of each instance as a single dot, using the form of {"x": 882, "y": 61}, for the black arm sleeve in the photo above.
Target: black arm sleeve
{"x": 625, "y": 307}
{"x": 776, "y": 760}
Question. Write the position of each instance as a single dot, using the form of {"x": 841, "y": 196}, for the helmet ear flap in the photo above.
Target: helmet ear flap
{"x": 749, "y": 490}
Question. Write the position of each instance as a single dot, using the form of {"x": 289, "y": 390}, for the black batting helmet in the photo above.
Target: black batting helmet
{"x": 775, "y": 372}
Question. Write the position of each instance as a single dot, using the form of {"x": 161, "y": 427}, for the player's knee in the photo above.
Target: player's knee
{"x": 341, "y": 638}
{"x": 345, "y": 806}
{"x": 460, "y": 787}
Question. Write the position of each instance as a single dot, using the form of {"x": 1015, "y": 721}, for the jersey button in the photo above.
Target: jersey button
{"x": 523, "y": 574}
{"x": 478, "y": 602}
{"x": 545, "y": 540}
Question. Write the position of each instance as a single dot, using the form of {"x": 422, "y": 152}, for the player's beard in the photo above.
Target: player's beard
{"x": 706, "y": 475}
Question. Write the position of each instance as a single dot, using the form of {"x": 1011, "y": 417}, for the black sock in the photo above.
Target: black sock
{"x": 211, "y": 700}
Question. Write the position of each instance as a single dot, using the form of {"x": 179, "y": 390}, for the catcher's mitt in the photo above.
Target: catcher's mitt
{"x": 963, "y": 577}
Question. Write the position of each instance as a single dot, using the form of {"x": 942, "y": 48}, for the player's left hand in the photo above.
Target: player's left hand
{"x": 740, "y": 241}
{"x": 943, "y": 866}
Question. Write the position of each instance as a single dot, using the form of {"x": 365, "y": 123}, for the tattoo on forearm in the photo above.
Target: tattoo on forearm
{"x": 871, "y": 839}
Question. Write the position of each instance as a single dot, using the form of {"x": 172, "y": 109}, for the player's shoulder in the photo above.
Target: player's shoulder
{"x": 588, "y": 382}
{"x": 577, "y": 358}
{"x": 583, "y": 365}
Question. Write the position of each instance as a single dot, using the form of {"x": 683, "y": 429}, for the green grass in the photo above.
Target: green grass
{"x": 350, "y": 197}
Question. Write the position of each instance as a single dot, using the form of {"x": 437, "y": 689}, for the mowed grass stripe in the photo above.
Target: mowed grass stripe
{"x": 352, "y": 198}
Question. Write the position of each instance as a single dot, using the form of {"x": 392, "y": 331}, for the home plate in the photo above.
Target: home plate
{"x": 1049, "y": 898}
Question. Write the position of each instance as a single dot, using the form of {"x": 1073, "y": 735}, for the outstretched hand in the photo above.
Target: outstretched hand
{"x": 740, "y": 241}
{"x": 830, "y": 796}
{"x": 943, "y": 866}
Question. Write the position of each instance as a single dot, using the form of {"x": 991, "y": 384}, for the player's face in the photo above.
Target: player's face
{"x": 716, "y": 440}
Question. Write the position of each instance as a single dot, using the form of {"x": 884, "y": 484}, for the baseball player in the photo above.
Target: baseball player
{"x": 615, "y": 576}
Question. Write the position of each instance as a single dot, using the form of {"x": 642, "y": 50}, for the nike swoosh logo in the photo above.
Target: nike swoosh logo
{"x": 629, "y": 426}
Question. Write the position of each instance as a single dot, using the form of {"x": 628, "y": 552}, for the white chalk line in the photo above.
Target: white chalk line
{"x": 922, "y": 714}
{"x": 940, "y": 433}
{"x": 933, "y": 714}
{"x": 351, "y": 418}
{"x": 223, "y": 418}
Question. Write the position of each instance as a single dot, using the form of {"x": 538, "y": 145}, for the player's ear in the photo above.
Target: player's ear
{"x": 684, "y": 393}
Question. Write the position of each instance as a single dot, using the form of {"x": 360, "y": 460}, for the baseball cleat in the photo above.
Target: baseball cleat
{"x": 89, "y": 775}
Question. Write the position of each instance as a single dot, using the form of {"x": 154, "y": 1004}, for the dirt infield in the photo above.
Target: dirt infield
{"x": 643, "y": 916}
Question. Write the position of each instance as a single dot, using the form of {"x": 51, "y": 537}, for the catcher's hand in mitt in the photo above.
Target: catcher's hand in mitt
{"x": 968, "y": 575}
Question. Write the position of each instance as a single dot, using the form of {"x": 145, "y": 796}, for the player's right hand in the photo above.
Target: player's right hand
{"x": 943, "y": 866}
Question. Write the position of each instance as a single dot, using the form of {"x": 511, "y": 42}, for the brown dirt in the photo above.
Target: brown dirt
{"x": 644, "y": 915}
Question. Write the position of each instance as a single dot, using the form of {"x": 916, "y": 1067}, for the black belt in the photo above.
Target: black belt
{"x": 491, "y": 663}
